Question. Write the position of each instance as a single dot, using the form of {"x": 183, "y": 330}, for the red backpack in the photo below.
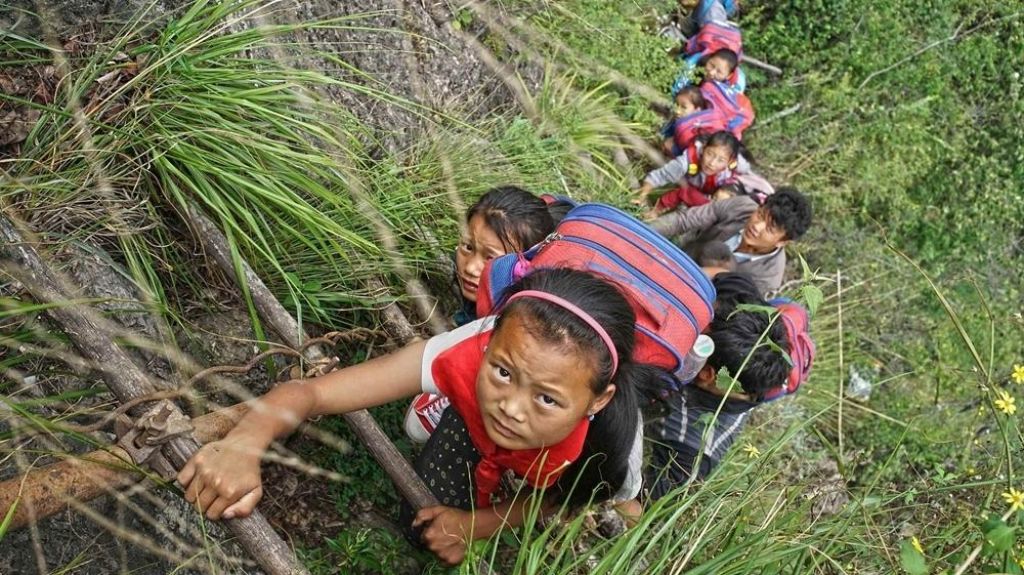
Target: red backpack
{"x": 689, "y": 127}
{"x": 734, "y": 106}
{"x": 795, "y": 319}
{"x": 671, "y": 296}
{"x": 715, "y": 36}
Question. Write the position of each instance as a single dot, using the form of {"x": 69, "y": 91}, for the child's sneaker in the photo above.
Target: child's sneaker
{"x": 423, "y": 415}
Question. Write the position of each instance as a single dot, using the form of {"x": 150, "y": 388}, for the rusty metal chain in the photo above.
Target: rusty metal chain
{"x": 144, "y": 437}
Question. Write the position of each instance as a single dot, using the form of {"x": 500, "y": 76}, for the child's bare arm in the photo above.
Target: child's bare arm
{"x": 223, "y": 478}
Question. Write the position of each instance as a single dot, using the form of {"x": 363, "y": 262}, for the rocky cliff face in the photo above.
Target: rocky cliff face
{"x": 406, "y": 48}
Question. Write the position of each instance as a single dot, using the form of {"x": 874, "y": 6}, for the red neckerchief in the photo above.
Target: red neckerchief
{"x": 455, "y": 371}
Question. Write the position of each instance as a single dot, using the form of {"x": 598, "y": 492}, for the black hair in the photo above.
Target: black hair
{"x": 724, "y": 138}
{"x": 736, "y": 333}
{"x": 716, "y": 254}
{"x": 602, "y": 466}
{"x": 558, "y": 209}
{"x": 734, "y": 188}
{"x": 694, "y": 95}
{"x": 789, "y": 210}
{"x": 728, "y": 55}
{"x": 519, "y": 218}
{"x": 735, "y": 288}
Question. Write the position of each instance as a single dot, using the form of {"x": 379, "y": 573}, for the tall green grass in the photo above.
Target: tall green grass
{"x": 298, "y": 184}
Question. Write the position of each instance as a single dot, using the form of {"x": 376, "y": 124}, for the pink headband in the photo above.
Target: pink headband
{"x": 568, "y": 306}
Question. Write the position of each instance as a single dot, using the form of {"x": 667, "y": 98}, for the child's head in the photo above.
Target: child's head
{"x": 737, "y": 332}
{"x": 720, "y": 64}
{"x": 729, "y": 191}
{"x": 550, "y": 365}
{"x": 560, "y": 365}
{"x": 719, "y": 152}
{"x": 716, "y": 258}
{"x": 504, "y": 220}
{"x": 689, "y": 100}
{"x": 784, "y": 217}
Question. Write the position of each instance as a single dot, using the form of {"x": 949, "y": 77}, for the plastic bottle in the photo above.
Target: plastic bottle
{"x": 695, "y": 360}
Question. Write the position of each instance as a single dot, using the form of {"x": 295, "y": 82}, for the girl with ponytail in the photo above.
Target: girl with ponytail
{"x": 543, "y": 391}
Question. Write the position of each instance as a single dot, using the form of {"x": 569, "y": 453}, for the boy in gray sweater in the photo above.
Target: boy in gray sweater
{"x": 756, "y": 234}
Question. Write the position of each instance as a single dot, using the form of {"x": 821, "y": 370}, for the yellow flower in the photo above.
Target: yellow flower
{"x": 751, "y": 451}
{"x": 1006, "y": 403}
{"x": 1018, "y": 373}
{"x": 1014, "y": 498}
{"x": 917, "y": 545}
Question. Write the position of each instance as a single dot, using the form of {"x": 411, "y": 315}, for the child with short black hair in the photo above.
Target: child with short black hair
{"x": 682, "y": 450}
{"x": 719, "y": 65}
{"x": 716, "y": 258}
{"x": 730, "y": 190}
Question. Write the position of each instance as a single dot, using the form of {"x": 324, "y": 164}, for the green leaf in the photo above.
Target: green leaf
{"x": 723, "y": 379}
{"x": 706, "y": 419}
{"x": 912, "y": 561}
{"x": 807, "y": 274}
{"x": 872, "y": 501}
{"x": 992, "y": 522}
{"x": 768, "y": 309}
{"x": 1001, "y": 538}
{"x": 8, "y": 518}
{"x": 813, "y": 296}
{"x": 776, "y": 348}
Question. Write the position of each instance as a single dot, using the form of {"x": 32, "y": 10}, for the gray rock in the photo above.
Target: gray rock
{"x": 398, "y": 47}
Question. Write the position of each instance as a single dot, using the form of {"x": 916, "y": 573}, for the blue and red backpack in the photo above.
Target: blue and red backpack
{"x": 700, "y": 13}
{"x": 687, "y": 129}
{"x": 715, "y": 36}
{"x": 795, "y": 319}
{"x": 735, "y": 107}
{"x": 671, "y": 296}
